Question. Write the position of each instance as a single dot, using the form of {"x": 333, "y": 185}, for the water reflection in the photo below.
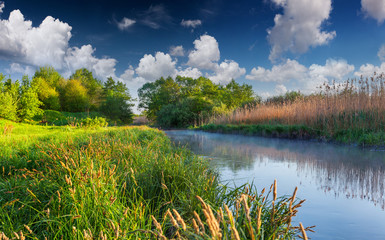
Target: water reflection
{"x": 338, "y": 170}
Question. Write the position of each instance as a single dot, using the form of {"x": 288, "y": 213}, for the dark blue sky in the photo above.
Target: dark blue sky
{"x": 275, "y": 45}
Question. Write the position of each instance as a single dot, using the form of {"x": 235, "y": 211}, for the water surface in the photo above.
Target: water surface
{"x": 343, "y": 186}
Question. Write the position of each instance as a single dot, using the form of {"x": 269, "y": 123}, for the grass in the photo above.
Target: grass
{"x": 125, "y": 183}
{"x": 350, "y": 112}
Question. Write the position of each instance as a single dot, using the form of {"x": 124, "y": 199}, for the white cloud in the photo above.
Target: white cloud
{"x": 125, "y": 23}
{"x": 152, "y": 68}
{"x": 374, "y": 9}
{"x": 206, "y": 53}
{"x": 290, "y": 70}
{"x": 280, "y": 89}
{"x": 381, "y": 53}
{"x": 191, "y": 23}
{"x": 189, "y": 72}
{"x": 155, "y": 17}
{"x": 2, "y": 6}
{"x": 84, "y": 58}
{"x": 367, "y": 70}
{"x": 226, "y": 71}
{"x": 299, "y": 27}
{"x": 177, "y": 51}
{"x": 309, "y": 78}
{"x": 17, "y": 68}
{"x": 37, "y": 46}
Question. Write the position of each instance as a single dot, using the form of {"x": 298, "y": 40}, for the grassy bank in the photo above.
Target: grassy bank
{"x": 124, "y": 183}
{"x": 350, "y": 112}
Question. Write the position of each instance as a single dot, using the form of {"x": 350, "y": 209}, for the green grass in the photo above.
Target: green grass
{"x": 74, "y": 183}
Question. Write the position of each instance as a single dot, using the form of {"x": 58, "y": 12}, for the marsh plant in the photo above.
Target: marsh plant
{"x": 126, "y": 183}
{"x": 349, "y": 111}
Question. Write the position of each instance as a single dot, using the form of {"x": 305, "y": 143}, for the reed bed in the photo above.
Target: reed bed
{"x": 347, "y": 111}
{"x": 128, "y": 183}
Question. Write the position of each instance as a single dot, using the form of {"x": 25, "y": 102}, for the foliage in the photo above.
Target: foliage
{"x": 93, "y": 86}
{"x": 96, "y": 122}
{"x": 8, "y": 100}
{"x": 29, "y": 101}
{"x": 74, "y": 98}
{"x": 88, "y": 184}
{"x": 117, "y": 104}
{"x": 288, "y": 97}
{"x": 185, "y": 101}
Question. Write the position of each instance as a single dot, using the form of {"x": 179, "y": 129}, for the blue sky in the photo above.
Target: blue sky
{"x": 274, "y": 45}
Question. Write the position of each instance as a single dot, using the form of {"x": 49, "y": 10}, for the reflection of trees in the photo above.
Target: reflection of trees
{"x": 338, "y": 170}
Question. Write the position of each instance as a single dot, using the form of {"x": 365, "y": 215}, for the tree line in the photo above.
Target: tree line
{"x": 167, "y": 102}
{"x": 48, "y": 90}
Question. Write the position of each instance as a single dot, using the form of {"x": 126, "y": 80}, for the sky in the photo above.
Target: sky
{"x": 274, "y": 45}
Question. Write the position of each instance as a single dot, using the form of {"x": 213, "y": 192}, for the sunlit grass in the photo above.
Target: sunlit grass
{"x": 116, "y": 183}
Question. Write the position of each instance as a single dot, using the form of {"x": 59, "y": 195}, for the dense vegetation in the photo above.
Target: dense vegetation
{"x": 183, "y": 101}
{"x": 124, "y": 183}
{"x": 48, "y": 90}
{"x": 351, "y": 112}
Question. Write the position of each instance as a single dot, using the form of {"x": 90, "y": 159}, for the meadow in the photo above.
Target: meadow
{"x": 125, "y": 183}
{"x": 349, "y": 112}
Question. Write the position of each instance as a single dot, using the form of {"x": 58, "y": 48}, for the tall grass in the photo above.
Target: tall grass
{"x": 122, "y": 183}
{"x": 352, "y": 109}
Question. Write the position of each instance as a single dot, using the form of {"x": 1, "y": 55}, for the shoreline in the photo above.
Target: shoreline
{"x": 293, "y": 132}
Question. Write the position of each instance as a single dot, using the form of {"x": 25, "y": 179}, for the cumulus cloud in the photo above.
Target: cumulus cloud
{"x": 189, "y": 72}
{"x": 309, "y": 78}
{"x": 191, "y": 23}
{"x": 226, "y": 71}
{"x": 18, "y": 68}
{"x": 2, "y": 5}
{"x": 280, "y": 89}
{"x": 125, "y": 23}
{"x": 290, "y": 70}
{"x": 299, "y": 27}
{"x": 381, "y": 53}
{"x": 84, "y": 58}
{"x": 374, "y": 9}
{"x": 37, "y": 46}
{"x": 177, "y": 51}
{"x": 206, "y": 53}
{"x": 367, "y": 70}
{"x": 153, "y": 67}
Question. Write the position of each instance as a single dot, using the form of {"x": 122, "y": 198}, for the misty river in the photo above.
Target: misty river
{"x": 343, "y": 185}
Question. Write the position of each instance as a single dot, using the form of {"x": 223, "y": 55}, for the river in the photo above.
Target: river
{"x": 343, "y": 185}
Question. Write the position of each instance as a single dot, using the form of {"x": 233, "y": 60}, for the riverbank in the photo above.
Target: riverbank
{"x": 124, "y": 183}
{"x": 360, "y": 137}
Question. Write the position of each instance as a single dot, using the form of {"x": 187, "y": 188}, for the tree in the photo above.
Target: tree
{"x": 74, "y": 97}
{"x": 94, "y": 86}
{"x": 28, "y": 105}
{"x": 117, "y": 102}
{"x": 47, "y": 94}
{"x": 8, "y": 99}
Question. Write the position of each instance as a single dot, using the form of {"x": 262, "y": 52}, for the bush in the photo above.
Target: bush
{"x": 96, "y": 122}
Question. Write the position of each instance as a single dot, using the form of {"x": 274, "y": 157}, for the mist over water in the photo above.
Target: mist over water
{"x": 343, "y": 185}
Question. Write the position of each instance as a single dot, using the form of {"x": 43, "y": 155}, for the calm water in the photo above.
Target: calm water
{"x": 343, "y": 186}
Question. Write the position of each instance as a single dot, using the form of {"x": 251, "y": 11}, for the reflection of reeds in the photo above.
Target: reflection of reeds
{"x": 339, "y": 171}
{"x": 355, "y": 104}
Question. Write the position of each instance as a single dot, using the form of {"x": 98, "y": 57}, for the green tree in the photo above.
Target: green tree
{"x": 74, "y": 97}
{"x": 29, "y": 102}
{"x": 117, "y": 104}
{"x": 8, "y": 99}
{"x": 94, "y": 86}
{"x": 48, "y": 94}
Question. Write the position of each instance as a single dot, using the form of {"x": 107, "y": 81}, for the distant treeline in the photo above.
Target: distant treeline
{"x": 184, "y": 101}
{"x": 48, "y": 90}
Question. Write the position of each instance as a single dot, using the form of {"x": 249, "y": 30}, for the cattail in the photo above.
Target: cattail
{"x": 28, "y": 229}
{"x": 275, "y": 190}
{"x": 179, "y": 219}
{"x": 304, "y": 236}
